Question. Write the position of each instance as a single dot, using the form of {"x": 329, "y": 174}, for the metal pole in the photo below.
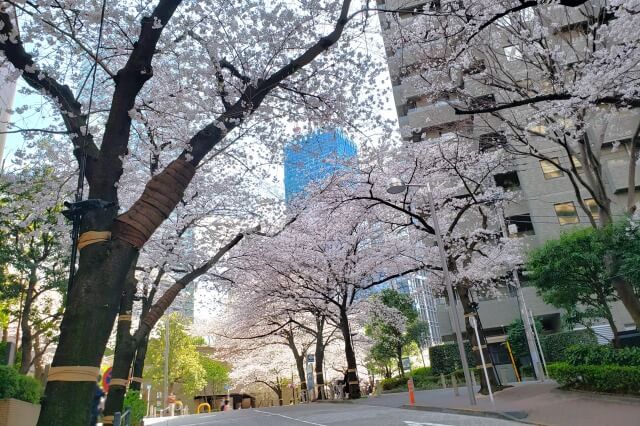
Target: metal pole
{"x": 533, "y": 349}
{"x": 452, "y": 303}
{"x": 165, "y": 384}
{"x": 544, "y": 362}
{"x": 474, "y": 325}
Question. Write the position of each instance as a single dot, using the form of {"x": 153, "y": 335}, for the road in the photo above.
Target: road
{"x": 329, "y": 414}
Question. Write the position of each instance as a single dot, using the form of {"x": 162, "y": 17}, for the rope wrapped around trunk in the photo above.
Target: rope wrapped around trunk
{"x": 160, "y": 196}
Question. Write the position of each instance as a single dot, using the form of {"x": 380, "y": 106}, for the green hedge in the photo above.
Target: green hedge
{"x": 133, "y": 401}
{"x": 599, "y": 378}
{"x": 15, "y": 385}
{"x": 4, "y": 353}
{"x": 445, "y": 358}
{"x": 394, "y": 383}
{"x": 602, "y": 355}
{"x": 555, "y": 345}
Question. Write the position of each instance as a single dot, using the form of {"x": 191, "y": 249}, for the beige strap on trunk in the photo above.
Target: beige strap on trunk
{"x": 118, "y": 382}
{"x": 92, "y": 237}
{"x": 73, "y": 373}
{"x": 136, "y": 379}
{"x": 124, "y": 317}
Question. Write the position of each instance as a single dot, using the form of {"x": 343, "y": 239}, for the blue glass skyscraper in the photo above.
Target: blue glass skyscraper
{"x": 313, "y": 158}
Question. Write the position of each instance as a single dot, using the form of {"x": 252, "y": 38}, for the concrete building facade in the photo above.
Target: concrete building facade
{"x": 547, "y": 203}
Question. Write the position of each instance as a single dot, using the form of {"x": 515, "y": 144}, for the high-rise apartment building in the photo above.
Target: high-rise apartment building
{"x": 313, "y": 158}
{"x": 548, "y": 203}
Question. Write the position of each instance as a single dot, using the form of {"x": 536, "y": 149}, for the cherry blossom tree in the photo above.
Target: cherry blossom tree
{"x": 199, "y": 74}
{"x": 552, "y": 82}
{"x": 325, "y": 261}
{"x": 465, "y": 197}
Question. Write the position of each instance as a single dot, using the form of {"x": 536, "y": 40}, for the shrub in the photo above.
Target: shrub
{"x": 602, "y": 355}
{"x": 394, "y": 383}
{"x": 417, "y": 373}
{"x": 555, "y": 345}
{"x": 446, "y": 359}
{"x": 29, "y": 389}
{"x": 4, "y": 353}
{"x": 15, "y": 385}
{"x": 600, "y": 378}
{"x": 136, "y": 404}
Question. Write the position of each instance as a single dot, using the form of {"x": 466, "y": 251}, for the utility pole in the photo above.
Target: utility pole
{"x": 453, "y": 307}
{"x": 165, "y": 384}
{"x": 527, "y": 324}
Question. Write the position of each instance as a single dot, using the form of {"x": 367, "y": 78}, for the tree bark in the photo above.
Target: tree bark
{"x": 27, "y": 338}
{"x": 319, "y": 354}
{"x": 85, "y": 329}
{"x": 399, "y": 355}
{"x": 623, "y": 288}
{"x": 465, "y": 299}
{"x": 125, "y": 348}
{"x": 352, "y": 367}
{"x": 299, "y": 357}
{"x": 138, "y": 363}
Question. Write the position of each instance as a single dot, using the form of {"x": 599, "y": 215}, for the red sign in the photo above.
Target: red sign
{"x": 106, "y": 379}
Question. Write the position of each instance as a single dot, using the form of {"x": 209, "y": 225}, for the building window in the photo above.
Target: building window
{"x": 485, "y": 101}
{"x": 576, "y": 163}
{"x": 508, "y": 180}
{"x": 491, "y": 141}
{"x": 567, "y": 213}
{"x": 549, "y": 169}
{"x": 520, "y": 225}
{"x": 512, "y": 53}
{"x": 593, "y": 208}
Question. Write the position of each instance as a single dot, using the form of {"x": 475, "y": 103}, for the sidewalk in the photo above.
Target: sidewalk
{"x": 533, "y": 402}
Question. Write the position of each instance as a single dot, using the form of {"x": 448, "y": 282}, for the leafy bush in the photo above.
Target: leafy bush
{"x": 4, "y": 353}
{"x": 446, "y": 359}
{"x": 602, "y": 355}
{"x": 15, "y": 385}
{"x": 394, "y": 383}
{"x": 555, "y": 345}
{"x": 136, "y": 404}
{"x": 599, "y": 378}
{"x": 416, "y": 373}
{"x": 8, "y": 382}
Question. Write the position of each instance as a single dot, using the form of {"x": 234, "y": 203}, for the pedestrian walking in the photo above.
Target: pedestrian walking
{"x": 95, "y": 403}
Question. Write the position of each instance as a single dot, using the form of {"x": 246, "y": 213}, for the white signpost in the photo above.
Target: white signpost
{"x": 474, "y": 324}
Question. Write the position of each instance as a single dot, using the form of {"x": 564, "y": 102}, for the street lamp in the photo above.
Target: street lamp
{"x": 396, "y": 186}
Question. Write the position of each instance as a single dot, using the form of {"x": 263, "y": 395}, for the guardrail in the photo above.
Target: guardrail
{"x": 122, "y": 419}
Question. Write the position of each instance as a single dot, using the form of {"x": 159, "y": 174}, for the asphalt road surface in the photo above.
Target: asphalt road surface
{"x": 329, "y": 414}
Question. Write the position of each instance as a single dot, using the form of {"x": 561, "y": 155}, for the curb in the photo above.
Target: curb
{"x": 333, "y": 401}
{"x": 514, "y": 416}
{"x": 601, "y": 396}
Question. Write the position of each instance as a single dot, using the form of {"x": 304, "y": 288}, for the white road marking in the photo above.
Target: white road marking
{"x": 411, "y": 423}
{"x": 290, "y": 418}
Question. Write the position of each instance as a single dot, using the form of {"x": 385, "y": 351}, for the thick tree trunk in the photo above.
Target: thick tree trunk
{"x": 92, "y": 307}
{"x": 319, "y": 353}
{"x": 349, "y": 352}
{"x": 124, "y": 351}
{"x": 301, "y": 375}
{"x": 465, "y": 299}
{"x": 27, "y": 339}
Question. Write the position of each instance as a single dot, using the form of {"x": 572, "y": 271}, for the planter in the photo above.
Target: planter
{"x": 14, "y": 412}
